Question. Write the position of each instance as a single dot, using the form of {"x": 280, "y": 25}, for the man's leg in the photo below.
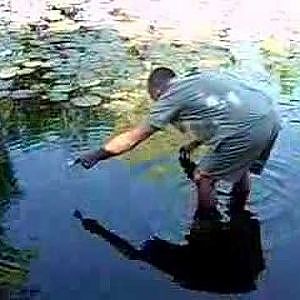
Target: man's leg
{"x": 205, "y": 186}
{"x": 241, "y": 191}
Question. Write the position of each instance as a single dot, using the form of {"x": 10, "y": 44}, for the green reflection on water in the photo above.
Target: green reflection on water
{"x": 13, "y": 262}
{"x": 55, "y": 68}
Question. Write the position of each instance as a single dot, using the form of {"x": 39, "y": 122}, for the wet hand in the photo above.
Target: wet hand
{"x": 185, "y": 162}
{"x": 89, "y": 159}
{"x": 186, "y": 148}
{"x": 184, "y": 154}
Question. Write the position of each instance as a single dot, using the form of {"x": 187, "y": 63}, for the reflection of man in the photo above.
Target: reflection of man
{"x": 224, "y": 259}
{"x": 237, "y": 121}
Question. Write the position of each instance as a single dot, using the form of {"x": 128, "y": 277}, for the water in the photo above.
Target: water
{"x": 44, "y": 126}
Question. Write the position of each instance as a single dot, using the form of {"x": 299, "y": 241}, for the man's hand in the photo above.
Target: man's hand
{"x": 117, "y": 145}
{"x": 90, "y": 159}
{"x": 190, "y": 147}
{"x": 185, "y": 158}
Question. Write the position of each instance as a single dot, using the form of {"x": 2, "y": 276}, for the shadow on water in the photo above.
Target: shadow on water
{"x": 224, "y": 258}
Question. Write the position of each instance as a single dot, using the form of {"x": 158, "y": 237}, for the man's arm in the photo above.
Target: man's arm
{"x": 128, "y": 140}
{"x": 118, "y": 145}
{"x": 161, "y": 113}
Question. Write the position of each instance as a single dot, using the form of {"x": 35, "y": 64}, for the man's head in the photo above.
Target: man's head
{"x": 158, "y": 81}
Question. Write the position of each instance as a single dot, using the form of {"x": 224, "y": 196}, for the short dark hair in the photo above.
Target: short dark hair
{"x": 159, "y": 75}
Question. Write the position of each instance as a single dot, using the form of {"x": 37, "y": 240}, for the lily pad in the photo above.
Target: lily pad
{"x": 22, "y": 95}
{"x": 57, "y": 96}
{"x": 120, "y": 15}
{"x": 48, "y": 64}
{"x": 6, "y": 52}
{"x": 54, "y": 15}
{"x": 60, "y": 4}
{"x": 49, "y": 75}
{"x": 86, "y": 101}
{"x": 90, "y": 83}
{"x": 32, "y": 64}
{"x": 63, "y": 88}
{"x": 38, "y": 87}
{"x": 20, "y": 61}
{"x": 100, "y": 92}
{"x": 4, "y": 94}
{"x": 273, "y": 46}
{"x": 25, "y": 71}
{"x": 147, "y": 65}
{"x": 9, "y": 72}
{"x": 64, "y": 26}
{"x": 5, "y": 85}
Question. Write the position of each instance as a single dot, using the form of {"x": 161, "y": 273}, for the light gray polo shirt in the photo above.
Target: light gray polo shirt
{"x": 210, "y": 106}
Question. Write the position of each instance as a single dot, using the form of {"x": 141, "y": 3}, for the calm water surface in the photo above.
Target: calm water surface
{"x": 137, "y": 196}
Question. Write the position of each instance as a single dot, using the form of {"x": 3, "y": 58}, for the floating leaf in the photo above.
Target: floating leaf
{"x": 22, "y": 95}
{"x": 39, "y": 87}
{"x": 147, "y": 65}
{"x": 66, "y": 25}
{"x": 54, "y": 15}
{"x": 86, "y": 101}
{"x": 5, "y": 85}
{"x": 4, "y": 94}
{"x": 60, "y": 4}
{"x": 60, "y": 93}
{"x": 57, "y": 96}
{"x": 273, "y": 46}
{"x": 120, "y": 14}
{"x": 90, "y": 83}
{"x": 6, "y": 52}
{"x": 63, "y": 88}
{"x": 25, "y": 71}
{"x": 48, "y": 64}
{"x": 32, "y": 64}
{"x": 9, "y": 72}
{"x": 100, "y": 92}
{"x": 36, "y": 56}
{"x": 20, "y": 61}
{"x": 49, "y": 75}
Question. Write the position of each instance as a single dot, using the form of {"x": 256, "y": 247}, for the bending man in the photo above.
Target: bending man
{"x": 237, "y": 121}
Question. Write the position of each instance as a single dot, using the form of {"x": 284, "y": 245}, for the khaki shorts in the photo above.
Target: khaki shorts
{"x": 229, "y": 160}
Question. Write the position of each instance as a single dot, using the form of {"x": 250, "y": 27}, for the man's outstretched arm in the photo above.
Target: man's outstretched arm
{"x": 128, "y": 140}
{"x": 118, "y": 145}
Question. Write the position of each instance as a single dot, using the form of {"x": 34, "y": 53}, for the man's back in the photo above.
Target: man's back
{"x": 212, "y": 105}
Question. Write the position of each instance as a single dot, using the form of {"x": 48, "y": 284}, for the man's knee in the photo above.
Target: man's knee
{"x": 201, "y": 177}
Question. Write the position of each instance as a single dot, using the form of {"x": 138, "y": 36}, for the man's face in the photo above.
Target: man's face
{"x": 154, "y": 93}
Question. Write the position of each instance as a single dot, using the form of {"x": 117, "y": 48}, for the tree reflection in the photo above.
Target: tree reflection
{"x": 13, "y": 261}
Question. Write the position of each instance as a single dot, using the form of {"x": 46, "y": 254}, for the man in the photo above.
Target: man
{"x": 235, "y": 120}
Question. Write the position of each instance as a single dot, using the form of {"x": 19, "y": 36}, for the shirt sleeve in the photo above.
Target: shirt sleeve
{"x": 163, "y": 111}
